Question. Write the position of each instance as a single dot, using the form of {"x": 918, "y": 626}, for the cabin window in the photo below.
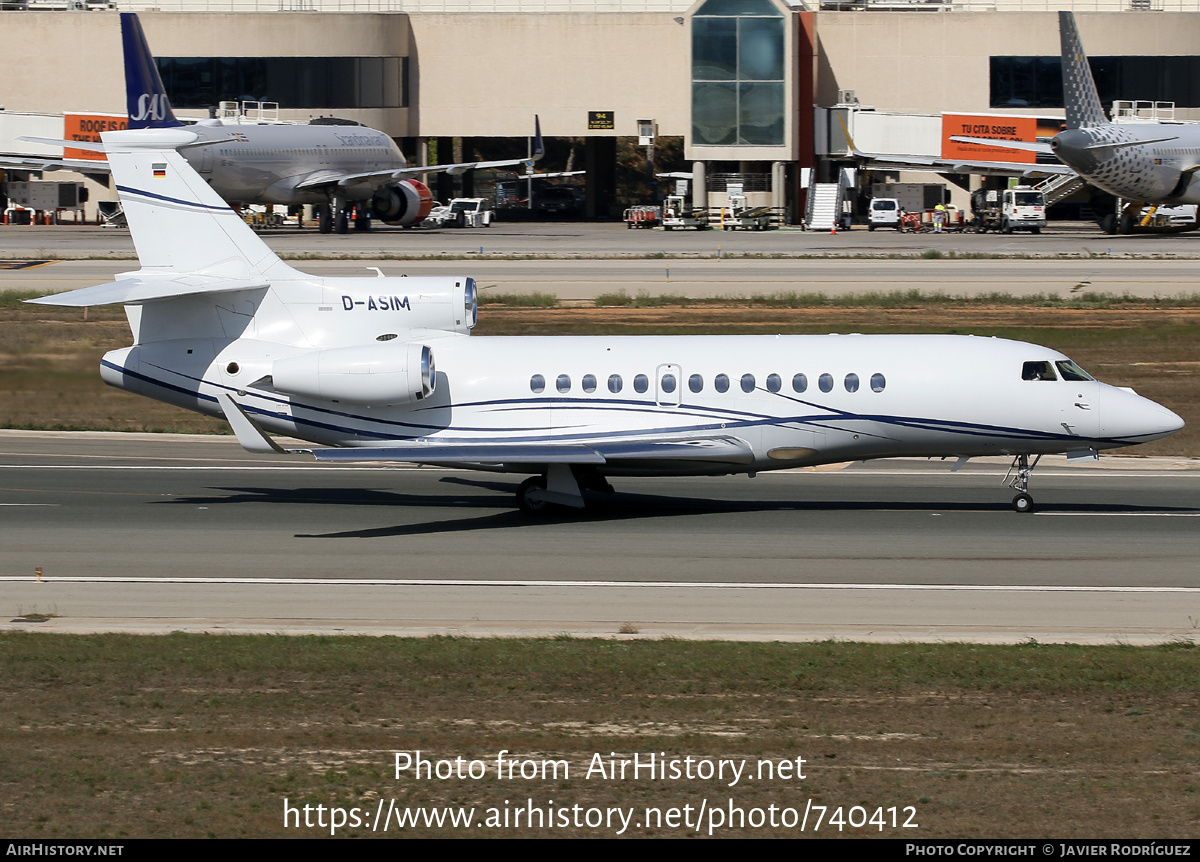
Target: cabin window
{"x": 668, "y": 383}
{"x": 851, "y": 382}
{"x": 877, "y": 382}
{"x": 615, "y": 383}
{"x": 774, "y": 383}
{"x": 563, "y": 383}
{"x": 721, "y": 382}
{"x": 799, "y": 382}
{"x": 641, "y": 383}
{"x": 696, "y": 383}
{"x": 825, "y": 382}
{"x": 1070, "y": 371}
{"x": 589, "y": 383}
{"x": 747, "y": 382}
{"x": 1037, "y": 371}
{"x": 537, "y": 384}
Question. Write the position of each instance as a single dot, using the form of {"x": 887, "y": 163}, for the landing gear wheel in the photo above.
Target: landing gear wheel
{"x": 527, "y": 504}
{"x": 324, "y": 220}
{"x": 341, "y": 221}
{"x": 1022, "y": 503}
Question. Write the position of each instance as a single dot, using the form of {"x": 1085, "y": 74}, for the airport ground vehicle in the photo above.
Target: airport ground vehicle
{"x": 642, "y": 216}
{"x": 883, "y": 212}
{"x": 470, "y": 212}
{"x": 1006, "y": 210}
{"x": 676, "y": 213}
{"x": 739, "y": 215}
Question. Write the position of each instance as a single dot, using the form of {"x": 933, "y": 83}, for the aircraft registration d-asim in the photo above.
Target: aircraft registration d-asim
{"x": 341, "y": 169}
{"x": 1139, "y": 163}
{"x": 222, "y": 326}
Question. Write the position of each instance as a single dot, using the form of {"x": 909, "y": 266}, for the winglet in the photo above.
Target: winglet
{"x": 1079, "y": 88}
{"x": 145, "y": 96}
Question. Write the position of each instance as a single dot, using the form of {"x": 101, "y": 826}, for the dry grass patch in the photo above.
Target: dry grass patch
{"x": 199, "y": 735}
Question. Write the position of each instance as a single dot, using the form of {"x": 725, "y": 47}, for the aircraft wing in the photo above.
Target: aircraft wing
{"x": 329, "y": 178}
{"x": 718, "y": 449}
{"x": 135, "y": 288}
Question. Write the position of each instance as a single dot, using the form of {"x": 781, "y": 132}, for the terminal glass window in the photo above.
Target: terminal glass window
{"x": 1036, "y": 82}
{"x": 293, "y": 82}
{"x": 738, "y": 94}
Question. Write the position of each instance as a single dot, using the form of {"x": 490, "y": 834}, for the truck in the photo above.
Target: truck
{"x": 1006, "y": 210}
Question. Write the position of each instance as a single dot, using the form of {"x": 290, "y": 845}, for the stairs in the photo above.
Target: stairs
{"x": 824, "y": 205}
{"x": 1059, "y": 186}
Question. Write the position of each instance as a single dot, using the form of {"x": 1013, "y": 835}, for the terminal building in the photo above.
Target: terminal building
{"x": 764, "y": 94}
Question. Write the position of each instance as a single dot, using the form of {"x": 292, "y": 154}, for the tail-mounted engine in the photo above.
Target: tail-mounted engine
{"x": 404, "y": 203}
{"x": 385, "y": 373}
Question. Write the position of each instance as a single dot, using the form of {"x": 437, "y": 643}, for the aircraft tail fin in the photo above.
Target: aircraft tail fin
{"x": 1079, "y": 88}
{"x": 145, "y": 96}
{"x": 178, "y": 223}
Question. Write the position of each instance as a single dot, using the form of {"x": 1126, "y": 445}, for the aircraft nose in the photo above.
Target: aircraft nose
{"x": 1128, "y": 416}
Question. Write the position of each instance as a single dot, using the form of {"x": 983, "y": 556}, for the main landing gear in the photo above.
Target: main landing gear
{"x": 560, "y": 486}
{"x": 1020, "y": 482}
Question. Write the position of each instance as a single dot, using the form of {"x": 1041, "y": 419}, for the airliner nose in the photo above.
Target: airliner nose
{"x": 1128, "y": 416}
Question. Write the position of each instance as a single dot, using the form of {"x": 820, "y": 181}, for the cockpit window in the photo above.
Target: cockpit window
{"x": 1070, "y": 371}
{"x": 1037, "y": 371}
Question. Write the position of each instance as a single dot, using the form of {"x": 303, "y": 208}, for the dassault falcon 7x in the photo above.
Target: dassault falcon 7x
{"x": 1139, "y": 163}
{"x": 350, "y": 173}
{"x": 224, "y": 327}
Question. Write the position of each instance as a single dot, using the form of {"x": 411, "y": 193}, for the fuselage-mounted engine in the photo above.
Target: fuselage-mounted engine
{"x": 381, "y": 374}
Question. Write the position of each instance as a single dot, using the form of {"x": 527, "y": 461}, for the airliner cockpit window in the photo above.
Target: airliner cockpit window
{"x": 1070, "y": 371}
{"x": 1037, "y": 371}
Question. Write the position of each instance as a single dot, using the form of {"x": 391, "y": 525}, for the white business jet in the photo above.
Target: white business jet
{"x": 224, "y": 327}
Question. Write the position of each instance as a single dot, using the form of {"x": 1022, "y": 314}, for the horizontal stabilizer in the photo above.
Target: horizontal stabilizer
{"x": 134, "y": 290}
{"x": 725, "y": 450}
{"x": 90, "y": 146}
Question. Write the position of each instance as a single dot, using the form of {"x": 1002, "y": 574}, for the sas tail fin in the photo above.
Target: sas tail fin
{"x": 145, "y": 95}
{"x": 1079, "y": 88}
{"x": 188, "y": 240}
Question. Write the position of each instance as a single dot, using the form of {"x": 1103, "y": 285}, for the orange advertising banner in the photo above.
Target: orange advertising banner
{"x": 1000, "y": 128}
{"x": 87, "y": 127}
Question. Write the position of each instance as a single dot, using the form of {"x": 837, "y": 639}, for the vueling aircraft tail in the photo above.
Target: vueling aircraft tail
{"x": 1079, "y": 88}
{"x": 145, "y": 95}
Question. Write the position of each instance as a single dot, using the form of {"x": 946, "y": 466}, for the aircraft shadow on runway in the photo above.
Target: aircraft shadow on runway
{"x": 601, "y": 507}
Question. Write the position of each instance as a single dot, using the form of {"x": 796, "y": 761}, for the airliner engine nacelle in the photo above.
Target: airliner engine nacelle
{"x": 406, "y": 202}
{"x": 370, "y": 374}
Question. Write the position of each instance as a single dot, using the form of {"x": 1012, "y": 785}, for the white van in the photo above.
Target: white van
{"x": 883, "y": 212}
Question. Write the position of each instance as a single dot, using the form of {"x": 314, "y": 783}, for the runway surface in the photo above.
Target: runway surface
{"x": 163, "y": 532}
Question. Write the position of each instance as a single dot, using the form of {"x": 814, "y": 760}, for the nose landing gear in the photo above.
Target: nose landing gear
{"x": 1023, "y": 502}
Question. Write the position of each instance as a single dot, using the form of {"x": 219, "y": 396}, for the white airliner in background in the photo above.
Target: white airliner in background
{"x": 222, "y": 326}
{"x": 1139, "y": 163}
{"x": 341, "y": 169}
